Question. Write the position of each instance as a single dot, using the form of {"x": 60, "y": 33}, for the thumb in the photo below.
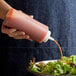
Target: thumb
{"x": 32, "y": 16}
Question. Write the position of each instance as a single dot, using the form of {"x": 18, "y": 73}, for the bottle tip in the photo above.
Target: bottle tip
{"x": 51, "y": 38}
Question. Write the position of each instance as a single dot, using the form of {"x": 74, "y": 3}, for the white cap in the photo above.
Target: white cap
{"x": 48, "y": 37}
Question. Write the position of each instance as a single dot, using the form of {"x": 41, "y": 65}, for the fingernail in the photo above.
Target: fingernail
{"x": 32, "y": 16}
{"x": 23, "y": 33}
{"x": 14, "y": 30}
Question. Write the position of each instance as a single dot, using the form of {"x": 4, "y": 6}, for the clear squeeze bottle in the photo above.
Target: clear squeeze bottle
{"x": 36, "y": 30}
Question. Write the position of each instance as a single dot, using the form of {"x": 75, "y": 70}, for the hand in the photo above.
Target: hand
{"x": 16, "y": 34}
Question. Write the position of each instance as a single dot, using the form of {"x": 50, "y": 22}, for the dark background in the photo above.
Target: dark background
{"x": 59, "y": 16}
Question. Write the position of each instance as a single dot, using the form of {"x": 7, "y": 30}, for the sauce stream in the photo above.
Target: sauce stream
{"x": 62, "y": 57}
{"x": 59, "y": 48}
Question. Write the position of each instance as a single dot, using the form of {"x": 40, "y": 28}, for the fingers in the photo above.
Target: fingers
{"x": 22, "y": 37}
{"x": 7, "y": 30}
{"x": 17, "y": 33}
{"x": 14, "y": 33}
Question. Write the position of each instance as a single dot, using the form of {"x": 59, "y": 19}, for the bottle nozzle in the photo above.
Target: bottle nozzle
{"x": 51, "y": 38}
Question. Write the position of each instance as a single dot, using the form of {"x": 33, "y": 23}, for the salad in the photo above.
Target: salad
{"x": 59, "y": 67}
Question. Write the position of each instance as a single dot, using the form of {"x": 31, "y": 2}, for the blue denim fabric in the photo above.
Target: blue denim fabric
{"x": 59, "y": 16}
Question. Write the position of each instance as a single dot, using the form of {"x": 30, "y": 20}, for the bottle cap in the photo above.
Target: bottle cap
{"x": 48, "y": 37}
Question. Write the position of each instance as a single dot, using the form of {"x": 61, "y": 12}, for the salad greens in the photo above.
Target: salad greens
{"x": 58, "y": 67}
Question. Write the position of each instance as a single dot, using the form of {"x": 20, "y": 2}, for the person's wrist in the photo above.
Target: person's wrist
{"x": 4, "y": 8}
{"x": 4, "y": 16}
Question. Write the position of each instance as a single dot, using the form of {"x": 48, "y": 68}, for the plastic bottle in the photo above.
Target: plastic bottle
{"x": 36, "y": 30}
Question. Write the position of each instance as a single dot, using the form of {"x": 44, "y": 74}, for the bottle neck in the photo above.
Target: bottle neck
{"x": 48, "y": 37}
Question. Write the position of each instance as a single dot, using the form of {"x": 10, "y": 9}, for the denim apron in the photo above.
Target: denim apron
{"x": 59, "y": 16}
